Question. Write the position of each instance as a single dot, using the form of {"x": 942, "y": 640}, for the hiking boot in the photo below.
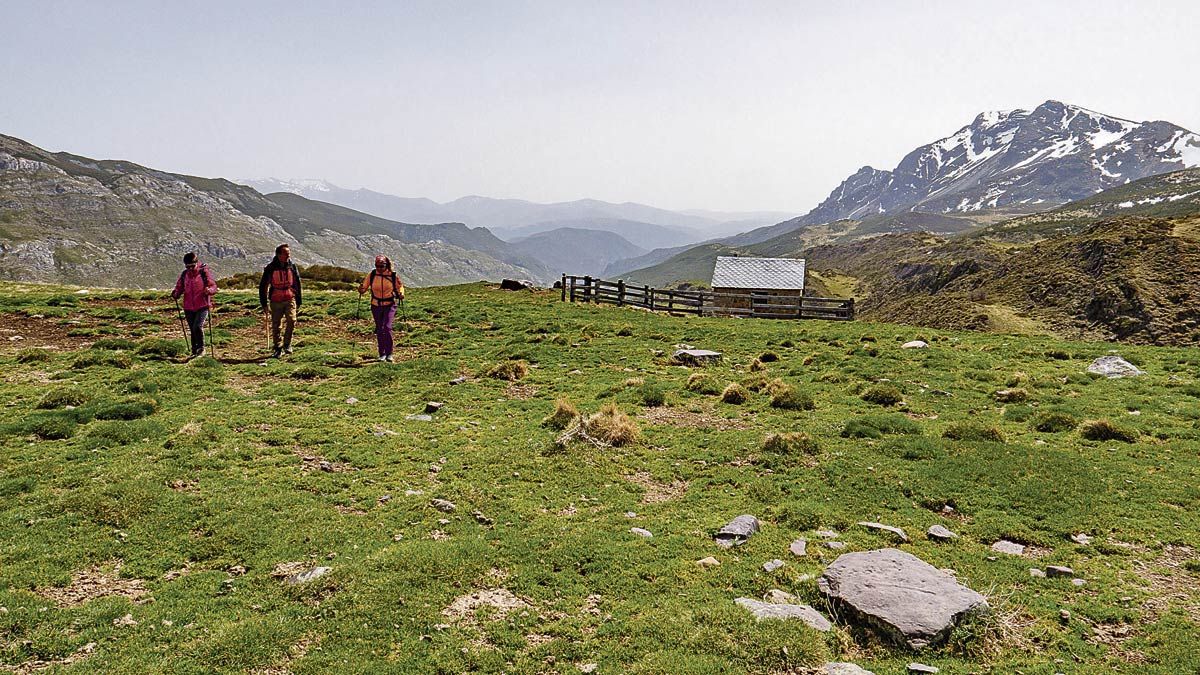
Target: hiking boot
{"x": 388, "y": 358}
{"x": 277, "y": 353}
{"x": 287, "y": 350}
{"x": 381, "y": 358}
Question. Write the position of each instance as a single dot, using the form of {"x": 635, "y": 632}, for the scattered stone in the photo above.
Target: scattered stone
{"x": 307, "y": 576}
{"x": 1010, "y": 395}
{"x": 778, "y": 597}
{"x": 696, "y": 357}
{"x": 915, "y": 344}
{"x": 886, "y": 528}
{"x": 767, "y": 610}
{"x": 1064, "y": 616}
{"x": 1114, "y": 366}
{"x": 482, "y": 519}
{"x": 708, "y": 562}
{"x": 630, "y": 514}
{"x": 443, "y": 505}
{"x": 126, "y": 620}
{"x": 922, "y": 668}
{"x": 940, "y": 392}
{"x": 413, "y": 493}
{"x": 443, "y": 521}
{"x": 827, "y": 534}
{"x": 641, "y": 532}
{"x": 1078, "y": 582}
{"x": 836, "y": 545}
{"x": 940, "y": 533}
{"x": 772, "y": 565}
{"x": 1059, "y": 571}
{"x": 458, "y": 380}
{"x": 419, "y": 418}
{"x": 588, "y": 667}
{"x": 383, "y": 499}
{"x": 909, "y": 600}
{"x": 1081, "y": 539}
{"x": 843, "y": 668}
{"x": 435, "y": 468}
{"x": 799, "y": 548}
{"x": 516, "y": 284}
{"x": 1009, "y": 547}
{"x": 737, "y": 531}
{"x": 1036, "y": 573}
{"x": 433, "y": 406}
{"x": 350, "y": 400}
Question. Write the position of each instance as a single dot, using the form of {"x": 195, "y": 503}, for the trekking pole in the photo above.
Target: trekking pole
{"x": 403, "y": 310}
{"x": 212, "y": 344}
{"x": 267, "y": 330}
{"x": 358, "y": 307}
{"x": 179, "y": 314}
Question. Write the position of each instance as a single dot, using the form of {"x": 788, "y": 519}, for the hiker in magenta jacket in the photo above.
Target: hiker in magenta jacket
{"x": 196, "y": 286}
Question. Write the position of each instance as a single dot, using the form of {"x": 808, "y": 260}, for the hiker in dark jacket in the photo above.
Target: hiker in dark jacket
{"x": 386, "y": 290}
{"x": 283, "y": 281}
{"x": 196, "y": 285}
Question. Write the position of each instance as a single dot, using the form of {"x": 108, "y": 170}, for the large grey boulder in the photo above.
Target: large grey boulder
{"x": 770, "y": 610}
{"x": 737, "y": 531}
{"x": 901, "y": 596}
{"x": 1114, "y": 366}
{"x": 696, "y": 357}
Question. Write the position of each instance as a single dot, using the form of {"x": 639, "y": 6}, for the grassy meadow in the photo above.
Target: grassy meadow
{"x": 151, "y": 510}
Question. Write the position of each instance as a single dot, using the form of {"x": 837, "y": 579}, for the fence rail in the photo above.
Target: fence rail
{"x": 754, "y": 304}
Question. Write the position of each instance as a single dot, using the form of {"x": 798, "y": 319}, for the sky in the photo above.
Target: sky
{"x": 750, "y": 106}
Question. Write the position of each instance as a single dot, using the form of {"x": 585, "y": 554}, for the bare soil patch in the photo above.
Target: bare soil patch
{"x": 520, "y": 392}
{"x": 1169, "y": 582}
{"x": 500, "y": 600}
{"x": 656, "y": 491}
{"x": 677, "y": 417}
{"x": 18, "y": 332}
{"x": 96, "y": 582}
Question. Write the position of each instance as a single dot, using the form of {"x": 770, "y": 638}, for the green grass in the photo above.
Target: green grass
{"x": 125, "y": 453}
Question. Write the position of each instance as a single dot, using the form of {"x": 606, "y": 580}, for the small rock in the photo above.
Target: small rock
{"x": 350, "y": 400}
{"x": 383, "y": 499}
{"x": 798, "y": 547}
{"x": 708, "y": 562}
{"x": 940, "y": 533}
{"x": 482, "y": 519}
{"x": 836, "y": 545}
{"x": 1036, "y": 573}
{"x": 843, "y": 668}
{"x": 922, "y": 668}
{"x": 900, "y": 534}
{"x": 397, "y": 537}
{"x": 1081, "y": 539}
{"x": 915, "y": 344}
{"x": 630, "y": 514}
{"x": 940, "y": 392}
{"x": 767, "y": 610}
{"x": 641, "y": 532}
{"x": 413, "y": 493}
{"x": 1078, "y": 582}
{"x": 1064, "y": 616}
{"x": 443, "y": 521}
{"x": 126, "y": 620}
{"x": 305, "y": 577}
{"x": 772, "y": 565}
{"x": 778, "y": 597}
{"x": 443, "y": 505}
{"x": 737, "y": 531}
{"x": 827, "y": 534}
{"x": 435, "y": 468}
{"x": 588, "y": 667}
{"x": 1114, "y": 366}
{"x": 433, "y": 406}
{"x": 237, "y": 570}
{"x": 326, "y": 466}
{"x": 458, "y": 380}
{"x": 696, "y": 357}
{"x": 419, "y": 418}
{"x": 1059, "y": 571}
{"x": 1009, "y": 547}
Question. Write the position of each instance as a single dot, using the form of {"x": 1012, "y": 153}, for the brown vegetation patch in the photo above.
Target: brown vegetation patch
{"x": 295, "y": 653}
{"x": 1169, "y": 582}
{"x": 520, "y": 392}
{"x": 349, "y": 510}
{"x": 656, "y": 492}
{"x": 499, "y": 601}
{"x": 676, "y": 417}
{"x": 38, "y": 665}
{"x": 96, "y": 582}
{"x": 22, "y": 332}
{"x": 189, "y": 485}
{"x": 310, "y": 463}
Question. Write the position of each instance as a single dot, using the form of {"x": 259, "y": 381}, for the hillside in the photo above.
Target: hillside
{"x": 307, "y": 515}
{"x": 570, "y": 250}
{"x": 643, "y": 236}
{"x": 113, "y": 223}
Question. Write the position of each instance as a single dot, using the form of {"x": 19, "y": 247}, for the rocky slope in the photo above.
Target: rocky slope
{"x": 72, "y": 219}
{"x": 570, "y": 250}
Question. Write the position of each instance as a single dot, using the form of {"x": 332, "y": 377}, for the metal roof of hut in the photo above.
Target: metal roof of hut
{"x": 772, "y": 273}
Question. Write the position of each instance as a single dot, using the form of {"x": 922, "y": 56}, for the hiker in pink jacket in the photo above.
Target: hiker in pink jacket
{"x": 197, "y": 286}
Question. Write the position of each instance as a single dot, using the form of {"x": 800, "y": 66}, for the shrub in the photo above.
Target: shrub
{"x": 126, "y": 410}
{"x": 968, "y": 431}
{"x": 703, "y": 383}
{"x": 859, "y": 429}
{"x": 1104, "y": 430}
{"x": 652, "y": 395}
{"x": 757, "y": 366}
{"x": 612, "y": 426}
{"x": 756, "y": 383}
{"x": 625, "y": 331}
{"x": 52, "y": 426}
{"x": 788, "y": 398}
{"x": 509, "y": 370}
{"x": 62, "y": 397}
{"x": 876, "y": 426}
{"x": 1054, "y": 422}
{"x": 735, "y": 394}
{"x": 768, "y": 357}
{"x": 1015, "y": 395}
{"x": 310, "y": 371}
{"x": 33, "y": 355}
{"x": 883, "y": 394}
{"x": 564, "y": 413}
{"x": 1057, "y": 354}
{"x": 791, "y": 443}
{"x": 101, "y": 358}
{"x": 114, "y": 344}
{"x": 160, "y": 348}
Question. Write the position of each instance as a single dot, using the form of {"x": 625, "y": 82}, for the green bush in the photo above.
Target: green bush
{"x": 310, "y": 371}
{"x": 89, "y": 359}
{"x": 858, "y": 429}
{"x": 789, "y": 398}
{"x": 114, "y": 344}
{"x": 160, "y": 348}
{"x": 791, "y": 443}
{"x": 652, "y": 395}
{"x": 1104, "y": 430}
{"x": 969, "y": 431}
{"x": 735, "y": 394}
{"x": 62, "y": 397}
{"x": 125, "y": 410}
{"x": 33, "y": 355}
{"x": 1054, "y": 422}
{"x": 877, "y": 426}
{"x": 52, "y": 426}
{"x": 703, "y": 383}
{"x": 883, "y": 394}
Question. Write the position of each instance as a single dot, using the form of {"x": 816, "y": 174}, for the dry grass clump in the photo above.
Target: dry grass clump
{"x": 786, "y": 397}
{"x": 791, "y": 443}
{"x": 755, "y": 383}
{"x": 703, "y": 383}
{"x": 768, "y": 357}
{"x": 883, "y": 394}
{"x": 757, "y": 365}
{"x": 735, "y": 394}
{"x": 564, "y": 414}
{"x": 1014, "y": 395}
{"x": 1104, "y": 430}
{"x": 967, "y": 431}
{"x": 509, "y": 370}
{"x": 610, "y": 425}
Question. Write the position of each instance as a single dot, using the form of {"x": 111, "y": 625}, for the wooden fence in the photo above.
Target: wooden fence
{"x": 757, "y": 304}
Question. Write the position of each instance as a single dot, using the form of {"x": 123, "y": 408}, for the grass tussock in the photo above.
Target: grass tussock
{"x": 510, "y": 371}
{"x": 883, "y": 394}
{"x": 564, "y": 414}
{"x": 1054, "y": 422}
{"x": 791, "y": 443}
{"x": 1012, "y": 395}
{"x": 1104, "y": 430}
{"x": 63, "y": 397}
{"x": 787, "y": 397}
{"x": 610, "y": 425}
{"x": 734, "y": 394}
{"x": 703, "y": 383}
{"x": 971, "y": 431}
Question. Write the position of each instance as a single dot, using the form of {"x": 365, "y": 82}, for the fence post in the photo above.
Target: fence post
{"x": 649, "y": 296}
{"x": 587, "y": 289}
{"x": 850, "y": 307}
{"x": 620, "y": 292}
{"x": 800, "y": 305}
{"x": 564, "y": 288}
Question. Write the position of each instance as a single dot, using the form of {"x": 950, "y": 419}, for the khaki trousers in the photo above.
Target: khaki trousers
{"x": 283, "y": 312}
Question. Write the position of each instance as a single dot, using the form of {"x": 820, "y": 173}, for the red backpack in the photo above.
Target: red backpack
{"x": 281, "y": 285}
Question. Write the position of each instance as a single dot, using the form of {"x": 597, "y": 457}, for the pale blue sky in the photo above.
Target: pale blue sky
{"x": 719, "y": 105}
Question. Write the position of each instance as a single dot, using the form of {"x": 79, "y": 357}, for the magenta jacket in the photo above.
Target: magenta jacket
{"x": 197, "y": 286}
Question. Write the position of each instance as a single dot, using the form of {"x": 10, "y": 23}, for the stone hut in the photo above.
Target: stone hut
{"x": 758, "y": 285}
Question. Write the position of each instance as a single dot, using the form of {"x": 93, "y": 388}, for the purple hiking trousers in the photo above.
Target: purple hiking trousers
{"x": 384, "y": 315}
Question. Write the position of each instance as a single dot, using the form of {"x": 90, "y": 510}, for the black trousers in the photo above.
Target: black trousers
{"x": 195, "y": 322}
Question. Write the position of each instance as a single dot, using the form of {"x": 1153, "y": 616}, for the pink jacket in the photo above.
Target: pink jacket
{"x": 196, "y": 293}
